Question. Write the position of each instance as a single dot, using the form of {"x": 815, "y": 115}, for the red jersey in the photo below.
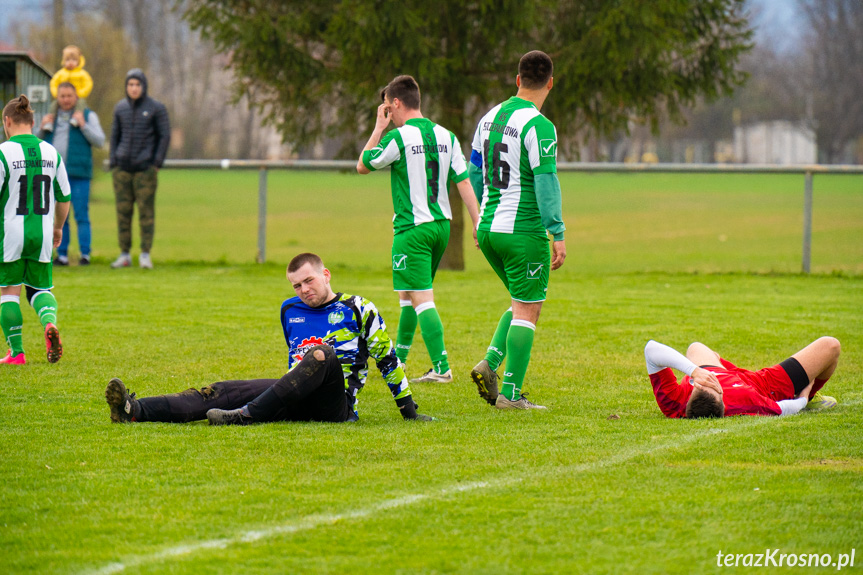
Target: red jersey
{"x": 744, "y": 392}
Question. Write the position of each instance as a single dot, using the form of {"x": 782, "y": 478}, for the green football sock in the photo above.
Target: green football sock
{"x": 12, "y": 322}
{"x": 406, "y": 330}
{"x": 519, "y": 342}
{"x": 497, "y": 348}
{"x": 46, "y": 306}
{"x": 432, "y": 330}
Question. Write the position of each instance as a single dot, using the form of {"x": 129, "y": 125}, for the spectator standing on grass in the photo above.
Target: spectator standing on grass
{"x": 73, "y": 73}
{"x": 513, "y": 170}
{"x": 34, "y": 202}
{"x": 140, "y": 136}
{"x": 424, "y": 158}
{"x": 74, "y": 133}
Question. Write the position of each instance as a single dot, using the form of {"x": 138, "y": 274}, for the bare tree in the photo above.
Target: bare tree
{"x": 811, "y": 75}
{"x": 835, "y": 46}
{"x": 184, "y": 71}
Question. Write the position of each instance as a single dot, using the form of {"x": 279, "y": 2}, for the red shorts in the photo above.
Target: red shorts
{"x": 773, "y": 382}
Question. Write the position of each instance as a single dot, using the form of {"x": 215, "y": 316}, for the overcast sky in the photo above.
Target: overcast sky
{"x": 777, "y": 22}
{"x": 14, "y": 12}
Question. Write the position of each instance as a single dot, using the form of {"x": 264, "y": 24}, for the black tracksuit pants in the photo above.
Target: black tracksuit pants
{"x": 313, "y": 391}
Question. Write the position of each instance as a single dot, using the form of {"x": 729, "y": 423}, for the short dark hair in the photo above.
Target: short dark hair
{"x": 406, "y": 89}
{"x": 19, "y": 110}
{"x": 306, "y": 258}
{"x": 704, "y": 404}
{"x": 535, "y": 69}
{"x": 67, "y": 85}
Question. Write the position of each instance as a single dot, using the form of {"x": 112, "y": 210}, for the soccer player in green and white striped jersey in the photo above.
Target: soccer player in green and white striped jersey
{"x": 424, "y": 158}
{"x": 34, "y": 198}
{"x": 513, "y": 172}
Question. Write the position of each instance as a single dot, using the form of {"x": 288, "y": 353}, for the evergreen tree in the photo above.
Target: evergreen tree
{"x": 316, "y": 68}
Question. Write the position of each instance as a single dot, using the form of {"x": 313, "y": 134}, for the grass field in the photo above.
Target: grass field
{"x": 674, "y": 258}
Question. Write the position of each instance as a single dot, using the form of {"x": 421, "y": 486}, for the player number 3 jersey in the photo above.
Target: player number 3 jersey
{"x": 516, "y": 142}
{"x": 424, "y": 157}
{"x": 33, "y": 178}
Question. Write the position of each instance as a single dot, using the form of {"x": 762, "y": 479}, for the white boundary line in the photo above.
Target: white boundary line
{"x": 310, "y": 522}
{"x": 314, "y": 521}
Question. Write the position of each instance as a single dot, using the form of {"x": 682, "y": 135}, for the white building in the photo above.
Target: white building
{"x": 778, "y": 142}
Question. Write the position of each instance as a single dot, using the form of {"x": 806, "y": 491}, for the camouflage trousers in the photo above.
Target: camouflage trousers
{"x": 131, "y": 188}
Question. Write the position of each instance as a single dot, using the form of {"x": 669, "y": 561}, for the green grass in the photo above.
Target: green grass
{"x": 478, "y": 491}
{"x": 619, "y": 223}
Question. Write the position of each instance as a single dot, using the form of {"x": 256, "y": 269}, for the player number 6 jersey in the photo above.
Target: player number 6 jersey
{"x": 516, "y": 142}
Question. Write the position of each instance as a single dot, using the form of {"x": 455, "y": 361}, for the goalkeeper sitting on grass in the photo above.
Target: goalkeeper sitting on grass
{"x": 715, "y": 387}
{"x": 330, "y": 338}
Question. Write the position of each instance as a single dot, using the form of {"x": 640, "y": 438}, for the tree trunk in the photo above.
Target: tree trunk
{"x": 453, "y": 257}
{"x": 58, "y": 31}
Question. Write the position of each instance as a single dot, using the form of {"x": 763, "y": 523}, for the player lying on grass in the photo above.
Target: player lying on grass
{"x": 330, "y": 338}
{"x": 719, "y": 388}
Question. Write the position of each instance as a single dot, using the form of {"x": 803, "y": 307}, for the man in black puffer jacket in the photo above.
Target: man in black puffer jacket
{"x": 139, "y": 142}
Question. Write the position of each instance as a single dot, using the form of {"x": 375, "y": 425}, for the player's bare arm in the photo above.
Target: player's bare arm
{"x": 558, "y": 253}
{"x": 382, "y": 120}
{"x": 61, "y": 211}
{"x": 806, "y": 390}
{"x": 465, "y": 190}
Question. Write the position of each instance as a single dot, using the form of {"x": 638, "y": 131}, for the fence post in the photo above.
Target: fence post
{"x": 262, "y": 215}
{"x": 807, "y": 222}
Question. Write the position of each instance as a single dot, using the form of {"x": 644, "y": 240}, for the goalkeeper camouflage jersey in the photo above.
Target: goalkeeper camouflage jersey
{"x": 424, "y": 157}
{"x": 515, "y": 142}
{"x": 353, "y": 327}
{"x": 33, "y": 178}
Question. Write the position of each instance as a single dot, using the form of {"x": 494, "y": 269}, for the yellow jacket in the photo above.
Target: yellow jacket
{"x": 78, "y": 77}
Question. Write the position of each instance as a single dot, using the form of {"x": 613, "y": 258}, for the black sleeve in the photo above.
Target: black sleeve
{"x": 163, "y": 135}
{"x": 115, "y": 137}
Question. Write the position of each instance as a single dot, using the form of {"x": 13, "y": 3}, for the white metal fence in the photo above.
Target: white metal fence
{"x": 807, "y": 171}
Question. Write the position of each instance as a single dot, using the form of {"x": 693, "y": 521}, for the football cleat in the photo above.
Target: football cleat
{"x": 520, "y": 403}
{"x": 13, "y": 360}
{"x": 431, "y": 376}
{"x": 485, "y": 379}
{"x": 124, "y": 406}
{"x": 819, "y": 402}
{"x": 228, "y": 417}
{"x": 52, "y": 343}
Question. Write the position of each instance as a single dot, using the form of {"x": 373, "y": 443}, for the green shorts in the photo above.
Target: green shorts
{"x": 33, "y": 273}
{"x": 416, "y": 254}
{"x": 522, "y": 262}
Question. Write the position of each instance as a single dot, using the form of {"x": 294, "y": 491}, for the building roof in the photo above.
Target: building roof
{"x": 8, "y": 57}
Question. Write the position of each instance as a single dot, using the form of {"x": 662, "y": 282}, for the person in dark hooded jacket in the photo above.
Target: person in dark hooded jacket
{"x": 139, "y": 141}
